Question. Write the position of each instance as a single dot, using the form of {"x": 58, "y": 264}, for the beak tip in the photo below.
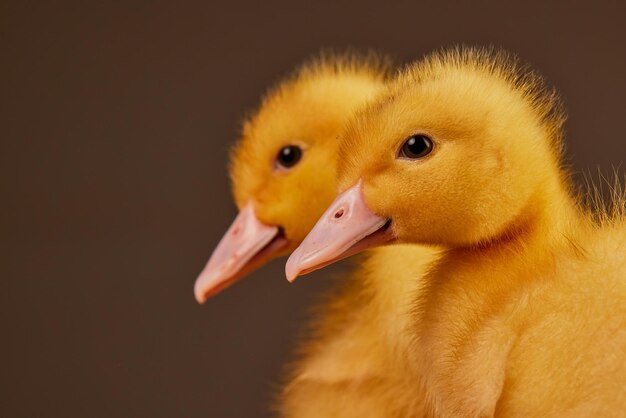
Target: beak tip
{"x": 202, "y": 287}
{"x": 292, "y": 270}
{"x": 199, "y": 295}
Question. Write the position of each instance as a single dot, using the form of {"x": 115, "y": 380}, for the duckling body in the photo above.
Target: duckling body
{"x": 523, "y": 313}
{"x": 355, "y": 364}
{"x": 546, "y": 340}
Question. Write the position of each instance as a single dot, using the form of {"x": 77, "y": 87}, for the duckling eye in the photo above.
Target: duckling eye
{"x": 289, "y": 156}
{"x": 416, "y": 146}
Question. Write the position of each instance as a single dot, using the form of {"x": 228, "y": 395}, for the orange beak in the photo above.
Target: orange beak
{"x": 247, "y": 244}
{"x": 347, "y": 227}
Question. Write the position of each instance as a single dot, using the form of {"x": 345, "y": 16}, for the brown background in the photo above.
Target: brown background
{"x": 115, "y": 125}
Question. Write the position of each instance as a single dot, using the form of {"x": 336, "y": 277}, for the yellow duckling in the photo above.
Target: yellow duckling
{"x": 524, "y": 312}
{"x": 283, "y": 166}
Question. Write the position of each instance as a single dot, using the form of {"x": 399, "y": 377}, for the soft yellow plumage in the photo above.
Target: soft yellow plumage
{"x": 356, "y": 363}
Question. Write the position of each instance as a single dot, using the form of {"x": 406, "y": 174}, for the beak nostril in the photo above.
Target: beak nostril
{"x": 339, "y": 213}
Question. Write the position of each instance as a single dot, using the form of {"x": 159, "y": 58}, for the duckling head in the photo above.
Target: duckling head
{"x": 460, "y": 149}
{"x": 283, "y": 168}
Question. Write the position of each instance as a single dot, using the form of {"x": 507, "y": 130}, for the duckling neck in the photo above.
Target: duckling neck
{"x": 550, "y": 224}
{"x": 550, "y": 218}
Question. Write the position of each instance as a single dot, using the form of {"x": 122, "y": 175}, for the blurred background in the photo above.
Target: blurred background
{"x": 115, "y": 125}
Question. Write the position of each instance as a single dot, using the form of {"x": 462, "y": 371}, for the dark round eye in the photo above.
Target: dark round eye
{"x": 289, "y": 156}
{"x": 416, "y": 146}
